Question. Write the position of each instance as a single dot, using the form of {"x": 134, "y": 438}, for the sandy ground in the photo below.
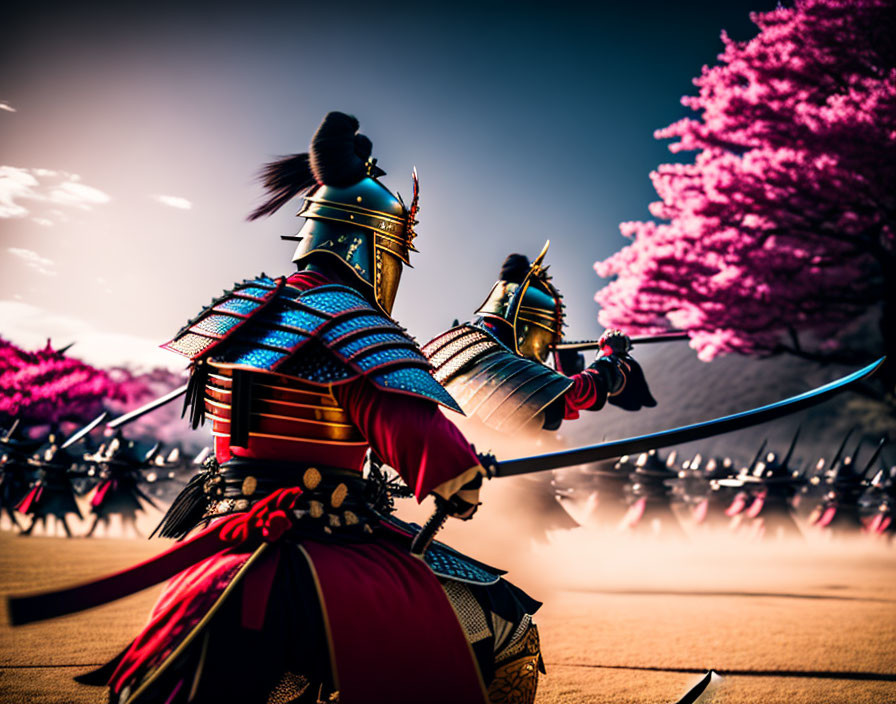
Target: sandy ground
{"x": 624, "y": 620}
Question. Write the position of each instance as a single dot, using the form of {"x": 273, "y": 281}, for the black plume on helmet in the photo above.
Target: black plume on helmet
{"x": 515, "y": 268}
{"x": 283, "y": 180}
{"x": 338, "y": 157}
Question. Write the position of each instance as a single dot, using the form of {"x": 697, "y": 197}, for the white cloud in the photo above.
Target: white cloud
{"x": 46, "y": 222}
{"x": 32, "y": 259}
{"x": 44, "y": 185}
{"x": 7, "y": 107}
{"x": 29, "y": 327}
{"x": 77, "y": 195}
{"x": 15, "y": 184}
{"x": 173, "y": 202}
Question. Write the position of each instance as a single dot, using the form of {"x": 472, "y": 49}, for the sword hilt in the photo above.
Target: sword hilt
{"x": 434, "y": 523}
{"x": 489, "y": 463}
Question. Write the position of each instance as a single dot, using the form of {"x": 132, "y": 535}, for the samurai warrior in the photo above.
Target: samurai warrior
{"x": 118, "y": 491}
{"x": 52, "y": 494}
{"x": 300, "y": 589}
{"x": 880, "y": 500}
{"x": 506, "y": 371}
{"x": 839, "y": 510}
{"x": 650, "y": 496}
{"x": 15, "y": 448}
{"x": 710, "y": 503}
{"x": 497, "y": 365}
{"x": 765, "y": 500}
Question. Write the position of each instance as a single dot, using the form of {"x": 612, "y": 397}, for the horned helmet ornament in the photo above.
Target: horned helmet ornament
{"x": 527, "y": 304}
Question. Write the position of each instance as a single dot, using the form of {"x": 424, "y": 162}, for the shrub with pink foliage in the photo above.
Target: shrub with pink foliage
{"x": 785, "y": 223}
{"x": 47, "y": 386}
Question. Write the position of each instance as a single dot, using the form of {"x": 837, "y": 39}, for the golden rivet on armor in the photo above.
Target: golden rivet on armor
{"x": 351, "y": 217}
{"x": 359, "y": 199}
{"x": 334, "y": 520}
{"x": 367, "y": 528}
{"x": 316, "y": 509}
{"x": 351, "y": 519}
{"x": 327, "y": 529}
{"x": 338, "y": 495}
{"x": 311, "y": 478}
{"x": 250, "y": 484}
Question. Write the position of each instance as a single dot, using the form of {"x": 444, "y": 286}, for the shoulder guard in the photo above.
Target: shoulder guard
{"x": 325, "y": 335}
{"x": 504, "y": 391}
{"x": 223, "y": 316}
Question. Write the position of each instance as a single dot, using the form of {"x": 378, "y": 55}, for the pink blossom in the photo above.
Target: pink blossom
{"x": 784, "y": 222}
{"x": 45, "y": 387}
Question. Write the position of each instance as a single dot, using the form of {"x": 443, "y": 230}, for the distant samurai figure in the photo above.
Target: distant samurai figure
{"x": 53, "y": 493}
{"x": 118, "y": 491}
{"x": 15, "y": 448}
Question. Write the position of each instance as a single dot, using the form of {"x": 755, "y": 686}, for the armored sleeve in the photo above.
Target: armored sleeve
{"x": 587, "y": 393}
{"x": 412, "y": 436}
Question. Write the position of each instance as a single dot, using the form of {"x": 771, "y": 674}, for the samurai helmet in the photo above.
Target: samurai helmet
{"x": 351, "y": 219}
{"x": 526, "y": 305}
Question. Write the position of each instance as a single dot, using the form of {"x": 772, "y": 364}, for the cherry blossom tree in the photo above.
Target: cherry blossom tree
{"x": 49, "y": 387}
{"x": 782, "y": 231}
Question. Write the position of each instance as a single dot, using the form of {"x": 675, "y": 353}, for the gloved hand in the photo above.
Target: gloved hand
{"x": 626, "y": 385}
{"x": 463, "y": 503}
{"x": 614, "y": 342}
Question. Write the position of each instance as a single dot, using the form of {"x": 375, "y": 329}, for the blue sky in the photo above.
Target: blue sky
{"x": 129, "y": 139}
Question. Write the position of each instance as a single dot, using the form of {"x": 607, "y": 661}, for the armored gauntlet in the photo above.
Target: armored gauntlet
{"x": 626, "y": 385}
{"x": 464, "y": 502}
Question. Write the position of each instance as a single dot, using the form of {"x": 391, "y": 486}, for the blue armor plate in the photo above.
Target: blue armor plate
{"x": 447, "y": 562}
{"x": 326, "y": 335}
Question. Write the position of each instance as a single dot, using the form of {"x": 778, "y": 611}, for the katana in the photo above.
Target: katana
{"x": 583, "y": 345}
{"x": 84, "y": 431}
{"x": 687, "y": 433}
{"x": 645, "y": 443}
{"x": 151, "y": 406}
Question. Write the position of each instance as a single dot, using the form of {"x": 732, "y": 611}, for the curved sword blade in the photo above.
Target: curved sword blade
{"x": 687, "y": 433}
{"x": 84, "y": 431}
{"x": 151, "y": 406}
